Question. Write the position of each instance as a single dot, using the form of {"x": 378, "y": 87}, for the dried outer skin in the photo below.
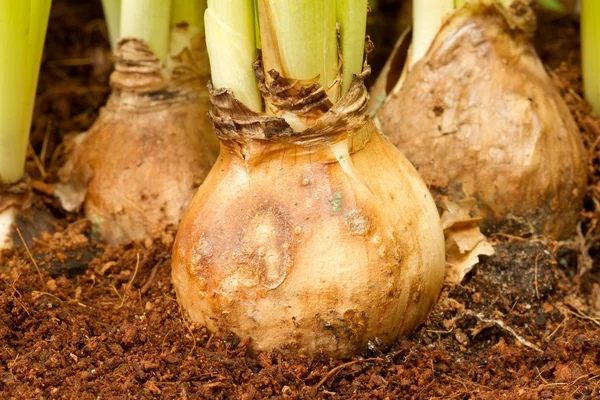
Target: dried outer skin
{"x": 15, "y": 197}
{"x": 17, "y": 194}
{"x": 234, "y": 122}
{"x": 479, "y": 116}
{"x": 139, "y": 165}
{"x": 281, "y": 246}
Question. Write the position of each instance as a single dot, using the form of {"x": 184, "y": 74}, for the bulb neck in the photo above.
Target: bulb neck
{"x": 140, "y": 83}
{"x": 320, "y": 121}
{"x": 255, "y": 151}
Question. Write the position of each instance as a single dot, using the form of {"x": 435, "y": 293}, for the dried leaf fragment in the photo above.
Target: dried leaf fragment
{"x": 464, "y": 240}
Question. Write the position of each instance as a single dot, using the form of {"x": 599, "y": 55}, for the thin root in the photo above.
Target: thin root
{"x": 32, "y": 259}
{"x": 502, "y": 325}
{"x": 340, "y": 367}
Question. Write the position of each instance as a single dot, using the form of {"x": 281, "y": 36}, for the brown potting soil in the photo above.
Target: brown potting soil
{"x": 79, "y": 320}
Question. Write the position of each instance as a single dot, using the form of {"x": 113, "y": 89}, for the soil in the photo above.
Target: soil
{"x": 80, "y": 320}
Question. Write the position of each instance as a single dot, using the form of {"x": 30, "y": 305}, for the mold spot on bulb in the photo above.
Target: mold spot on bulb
{"x": 336, "y": 202}
{"x": 358, "y": 222}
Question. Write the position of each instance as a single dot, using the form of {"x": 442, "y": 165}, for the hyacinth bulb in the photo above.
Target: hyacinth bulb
{"x": 138, "y": 167}
{"x": 479, "y": 117}
{"x": 316, "y": 241}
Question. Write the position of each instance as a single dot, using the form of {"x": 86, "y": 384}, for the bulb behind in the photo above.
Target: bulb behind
{"x": 137, "y": 168}
{"x": 478, "y": 116}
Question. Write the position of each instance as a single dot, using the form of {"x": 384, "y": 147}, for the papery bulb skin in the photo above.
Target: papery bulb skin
{"x": 138, "y": 167}
{"x": 479, "y": 116}
{"x": 282, "y": 246}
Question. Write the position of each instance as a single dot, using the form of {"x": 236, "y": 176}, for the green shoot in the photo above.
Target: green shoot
{"x": 148, "y": 20}
{"x": 190, "y": 11}
{"x": 230, "y": 40}
{"x": 352, "y": 16}
{"x": 299, "y": 40}
{"x": 590, "y": 51}
{"x": 112, "y": 17}
{"x": 428, "y": 16}
{"x": 257, "y": 26}
{"x": 187, "y": 29}
{"x": 25, "y": 23}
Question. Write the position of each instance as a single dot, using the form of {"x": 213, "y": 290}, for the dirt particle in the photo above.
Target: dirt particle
{"x": 51, "y": 285}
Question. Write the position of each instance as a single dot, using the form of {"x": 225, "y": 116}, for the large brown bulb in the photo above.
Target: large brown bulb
{"x": 478, "y": 116}
{"x": 281, "y": 246}
{"x": 139, "y": 165}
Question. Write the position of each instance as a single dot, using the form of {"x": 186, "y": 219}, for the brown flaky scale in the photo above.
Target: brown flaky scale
{"x": 478, "y": 116}
{"x": 139, "y": 165}
{"x": 282, "y": 246}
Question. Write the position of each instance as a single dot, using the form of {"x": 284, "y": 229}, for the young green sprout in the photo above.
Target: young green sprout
{"x": 112, "y": 18}
{"x": 23, "y": 29}
{"x": 148, "y": 20}
{"x": 231, "y": 44}
{"x": 590, "y": 51}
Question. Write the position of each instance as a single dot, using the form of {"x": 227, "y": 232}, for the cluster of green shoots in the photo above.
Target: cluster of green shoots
{"x": 298, "y": 39}
{"x": 152, "y": 21}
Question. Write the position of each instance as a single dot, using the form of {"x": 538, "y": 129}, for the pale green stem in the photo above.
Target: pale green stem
{"x": 187, "y": 28}
{"x": 148, "y": 20}
{"x": 590, "y": 51}
{"x": 230, "y": 40}
{"x": 352, "y": 16}
{"x": 458, "y": 3}
{"x": 23, "y": 26}
{"x": 299, "y": 40}
{"x": 112, "y": 17}
{"x": 14, "y": 24}
{"x": 39, "y": 16}
{"x": 428, "y": 16}
{"x": 190, "y": 11}
{"x": 257, "y": 26}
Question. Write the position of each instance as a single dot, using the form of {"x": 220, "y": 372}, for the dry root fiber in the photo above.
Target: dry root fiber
{"x": 139, "y": 165}
{"x": 479, "y": 117}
